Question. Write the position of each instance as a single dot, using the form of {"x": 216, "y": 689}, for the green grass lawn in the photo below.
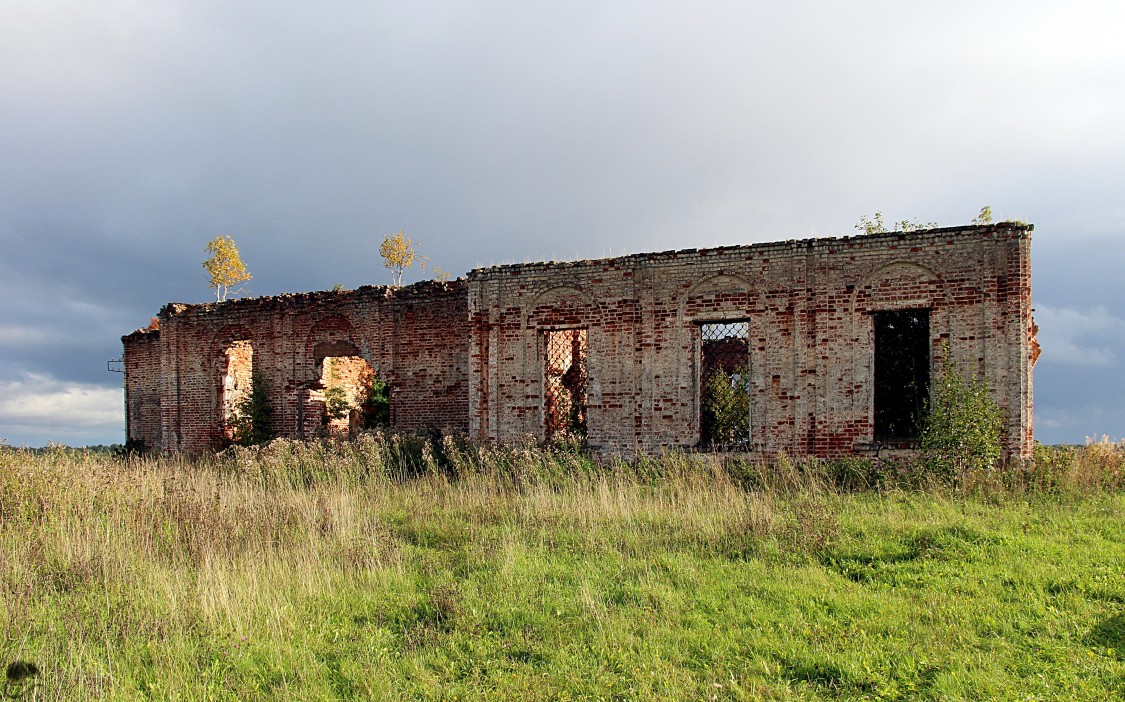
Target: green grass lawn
{"x": 229, "y": 579}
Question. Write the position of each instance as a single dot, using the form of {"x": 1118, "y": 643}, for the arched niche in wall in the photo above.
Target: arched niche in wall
{"x": 899, "y": 286}
{"x": 900, "y": 315}
{"x": 719, "y": 335}
{"x": 722, "y": 296}
{"x": 562, "y": 306}
{"x": 561, "y": 321}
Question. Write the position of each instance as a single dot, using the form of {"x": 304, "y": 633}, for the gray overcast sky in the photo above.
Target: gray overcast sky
{"x": 134, "y": 131}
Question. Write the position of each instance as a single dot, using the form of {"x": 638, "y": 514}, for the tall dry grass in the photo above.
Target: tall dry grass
{"x": 178, "y": 551}
{"x": 132, "y": 573}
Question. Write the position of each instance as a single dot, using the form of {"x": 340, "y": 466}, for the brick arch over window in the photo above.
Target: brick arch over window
{"x": 898, "y": 286}
{"x": 224, "y": 337}
{"x": 721, "y": 296}
{"x": 332, "y": 336}
{"x": 563, "y": 306}
{"x": 559, "y": 320}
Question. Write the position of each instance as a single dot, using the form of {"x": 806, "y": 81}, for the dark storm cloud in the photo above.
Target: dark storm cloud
{"x": 133, "y": 133}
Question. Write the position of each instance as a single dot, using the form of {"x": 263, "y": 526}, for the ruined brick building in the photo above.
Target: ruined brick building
{"x": 818, "y": 347}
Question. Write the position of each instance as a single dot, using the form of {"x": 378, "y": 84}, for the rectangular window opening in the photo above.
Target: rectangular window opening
{"x": 565, "y": 387}
{"x": 725, "y": 385}
{"x": 237, "y": 385}
{"x": 354, "y": 398}
{"x": 902, "y": 373}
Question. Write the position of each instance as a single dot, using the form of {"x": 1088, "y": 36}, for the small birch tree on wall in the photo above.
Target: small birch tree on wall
{"x": 399, "y": 255}
{"x": 225, "y": 267}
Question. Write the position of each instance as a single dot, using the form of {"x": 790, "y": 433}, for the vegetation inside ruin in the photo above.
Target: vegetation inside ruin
{"x": 336, "y": 404}
{"x": 726, "y": 407}
{"x": 414, "y": 567}
{"x": 253, "y": 414}
{"x": 376, "y": 404}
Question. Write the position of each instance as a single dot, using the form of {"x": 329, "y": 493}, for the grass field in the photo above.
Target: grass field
{"x": 381, "y": 570}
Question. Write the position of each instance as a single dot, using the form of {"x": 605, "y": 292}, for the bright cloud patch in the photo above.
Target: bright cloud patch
{"x": 15, "y": 335}
{"x": 1079, "y": 337}
{"x": 43, "y": 402}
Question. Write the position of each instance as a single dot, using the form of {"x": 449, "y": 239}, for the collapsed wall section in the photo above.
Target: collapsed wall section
{"x": 412, "y": 339}
{"x": 804, "y": 312}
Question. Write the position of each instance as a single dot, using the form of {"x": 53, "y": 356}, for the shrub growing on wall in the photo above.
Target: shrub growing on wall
{"x": 964, "y": 430}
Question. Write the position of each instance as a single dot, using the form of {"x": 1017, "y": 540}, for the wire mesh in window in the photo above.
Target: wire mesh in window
{"x": 725, "y": 385}
{"x": 565, "y": 389}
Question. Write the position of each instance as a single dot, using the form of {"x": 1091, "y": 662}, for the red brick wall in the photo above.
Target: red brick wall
{"x": 237, "y": 383}
{"x": 809, "y": 306}
{"x": 429, "y": 345}
{"x": 414, "y": 338}
{"x": 469, "y": 356}
{"x": 142, "y": 387}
